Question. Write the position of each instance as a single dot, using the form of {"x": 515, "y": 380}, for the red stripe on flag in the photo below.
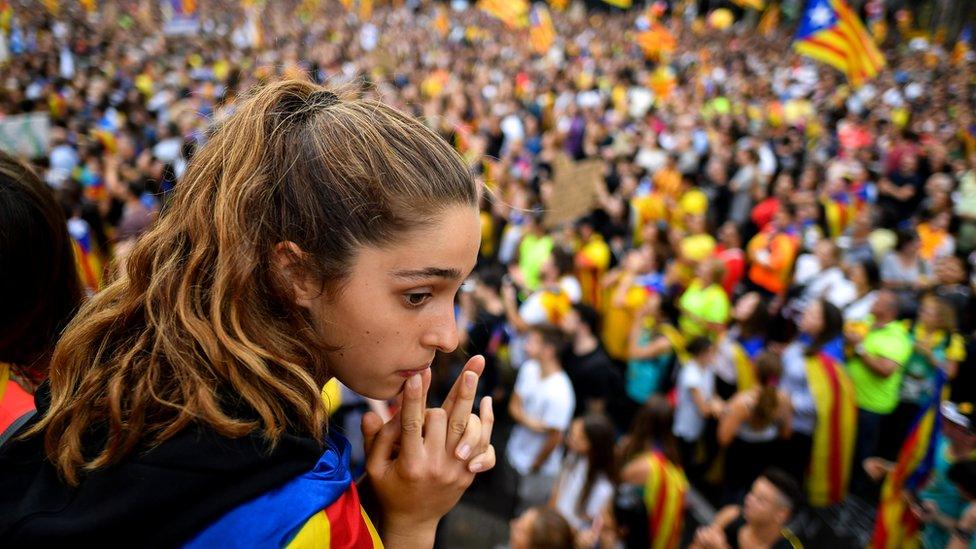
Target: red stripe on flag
{"x": 834, "y": 468}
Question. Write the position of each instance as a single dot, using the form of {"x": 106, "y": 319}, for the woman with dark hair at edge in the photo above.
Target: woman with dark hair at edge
{"x": 39, "y": 287}
{"x": 314, "y": 236}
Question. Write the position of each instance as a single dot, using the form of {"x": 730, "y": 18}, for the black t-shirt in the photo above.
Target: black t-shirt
{"x": 484, "y": 337}
{"x": 594, "y": 377}
{"x": 963, "y": 387}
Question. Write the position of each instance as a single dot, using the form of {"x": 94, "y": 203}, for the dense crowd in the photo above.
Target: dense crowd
{"x": 773, "y": 275}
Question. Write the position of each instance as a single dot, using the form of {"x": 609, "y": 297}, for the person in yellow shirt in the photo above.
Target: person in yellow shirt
{"x": 667, "y": 180}
{"x": 624, "y": 298}
{"x": 704, "y": 305}
{"x": 592, "y": 261}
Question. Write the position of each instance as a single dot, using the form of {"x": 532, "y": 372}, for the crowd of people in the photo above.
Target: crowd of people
{"x": 773, "y": 278}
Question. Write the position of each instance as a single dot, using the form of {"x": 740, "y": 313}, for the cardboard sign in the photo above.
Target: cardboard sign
{"x": 575, "y": 190}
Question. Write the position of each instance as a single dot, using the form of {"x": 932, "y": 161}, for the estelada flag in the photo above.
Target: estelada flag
{"x": 542, "y": 33}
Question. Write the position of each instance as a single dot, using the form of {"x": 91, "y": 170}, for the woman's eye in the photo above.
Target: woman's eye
{"x": 416, "y": 300}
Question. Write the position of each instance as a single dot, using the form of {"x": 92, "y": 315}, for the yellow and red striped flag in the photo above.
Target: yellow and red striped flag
{"x": 835, "y": 433}
{"x": 542, "y": 33}
{"x": 664, "y": 496}
{"x": 896, "y": 526}
{"x": 832, "y": 33}
{"x": 513, "y": 13}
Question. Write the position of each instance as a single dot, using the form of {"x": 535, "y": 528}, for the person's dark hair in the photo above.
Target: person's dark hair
{"x": 872, "y": 273}
{"x": 757, "y": 325}
{"x": 903, "y": 238}
{"x": 699, "y": 346}
{"x": 551, "y": 337}
{"x": 769, "y": 368}
{"x": 588, "y": 316}
{"x": 787, "y": 486}
{"x": 39, "y": 285}
{"x": 963, "y": 475}
{"x": 833, "y": 325}
{"x": 600, "y": 433}
{"x": 550, "y": 530}
{"x": 563, "y": 260}
{"x": 651, "y": 428}
{"x": 491, "y": 275}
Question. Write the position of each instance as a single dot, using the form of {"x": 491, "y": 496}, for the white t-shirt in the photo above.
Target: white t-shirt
{"x": 688, "y": 422}
{"x": 570, "y": 487}
{"x": 549, "y": 400}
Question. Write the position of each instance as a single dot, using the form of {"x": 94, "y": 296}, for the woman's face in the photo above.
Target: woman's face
{"x": 396, "y": 309}
{"x": 811, "y": 322}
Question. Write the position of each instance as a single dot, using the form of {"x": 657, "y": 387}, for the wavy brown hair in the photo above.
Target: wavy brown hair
{"x": 201, "y": 324}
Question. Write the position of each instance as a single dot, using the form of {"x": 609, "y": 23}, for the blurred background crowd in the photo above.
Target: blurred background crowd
{"x": 714, "y": 274}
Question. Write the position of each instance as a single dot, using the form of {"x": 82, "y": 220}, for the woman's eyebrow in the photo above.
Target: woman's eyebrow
{"x": 428, "y": 272}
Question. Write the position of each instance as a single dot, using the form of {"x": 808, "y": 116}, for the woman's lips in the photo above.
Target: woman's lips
{"x": 406, "y": 374}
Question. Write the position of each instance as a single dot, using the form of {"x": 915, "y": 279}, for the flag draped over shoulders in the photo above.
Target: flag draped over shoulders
{"x": 320, "y": 508}
{"x": 664, "y": 498}
{"x": 835, "y": 431}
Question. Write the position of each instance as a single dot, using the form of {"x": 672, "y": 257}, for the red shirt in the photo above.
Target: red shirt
{"x": 735, "y": 266}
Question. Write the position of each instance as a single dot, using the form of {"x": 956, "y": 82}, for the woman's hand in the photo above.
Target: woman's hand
{"x": 413, "y": 460}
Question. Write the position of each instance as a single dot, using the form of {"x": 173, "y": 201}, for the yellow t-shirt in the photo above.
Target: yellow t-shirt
{"x": 617, "y": 320}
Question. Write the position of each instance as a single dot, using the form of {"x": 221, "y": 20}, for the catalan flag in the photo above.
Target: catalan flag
{"x": 88, "y": 261}
{"x": 835, "y": 431}
{"x": 832, "y": 33}
{"x": 318, "y": 509}
{"x": 513, "y": 13}
{"x": 895, "y": 525}
{"x": 542, "y": 33}
{"x": 664, "y": 498}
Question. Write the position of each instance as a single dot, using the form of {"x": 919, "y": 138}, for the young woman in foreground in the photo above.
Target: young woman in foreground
{"x": 312, "y": 237}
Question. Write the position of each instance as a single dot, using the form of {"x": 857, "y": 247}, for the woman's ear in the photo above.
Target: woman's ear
{"x": 289, "y": 261}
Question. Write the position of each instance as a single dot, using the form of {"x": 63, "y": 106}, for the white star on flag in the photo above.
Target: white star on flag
{"x": 820, "y": 16}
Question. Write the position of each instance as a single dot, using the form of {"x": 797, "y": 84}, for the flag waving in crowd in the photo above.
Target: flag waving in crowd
{"x": 541, "y": 31}
{"x": 896, "y": 525}
{"x": 832, "y": 33}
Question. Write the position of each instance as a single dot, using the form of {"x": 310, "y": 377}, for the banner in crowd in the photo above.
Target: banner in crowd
{"x": 542, "y": 33}
{"x": 575, "y": 190}
{"x": 25, "y": 135}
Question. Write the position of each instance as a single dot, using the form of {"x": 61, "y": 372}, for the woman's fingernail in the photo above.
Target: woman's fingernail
{"x": 464, "y": 451}
{"x": 414, "y": 381}
{"x": 476, "y": 467}
{"x": 469, "y": 379}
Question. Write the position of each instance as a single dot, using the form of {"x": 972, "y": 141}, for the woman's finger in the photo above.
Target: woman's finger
{"x": 435, "y": 429}
{"x": 459, "y": 413}
{"x": 475, "y": 364}
{"x": 486, "y": 413}
{"x": 371, "y": 426}
{"x": 470, "y": 442}
{"x": 412, "y": 419}
{"x": 483, "y": 461}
